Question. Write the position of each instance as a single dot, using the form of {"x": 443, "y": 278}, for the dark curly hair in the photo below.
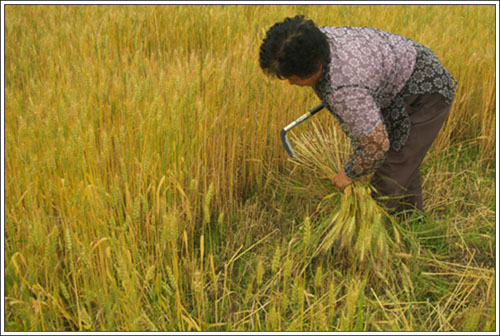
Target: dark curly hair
{"x": 293, "y": 47}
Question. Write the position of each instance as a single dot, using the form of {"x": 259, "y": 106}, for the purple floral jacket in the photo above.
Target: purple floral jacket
{"x": 369, "y": 74}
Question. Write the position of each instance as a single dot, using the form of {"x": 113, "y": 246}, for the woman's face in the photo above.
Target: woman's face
{"x": 294, "y": 80}
{"x": 310, "y": 81}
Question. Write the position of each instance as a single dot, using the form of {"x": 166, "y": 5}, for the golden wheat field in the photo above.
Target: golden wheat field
{"x": 146, "y": 187}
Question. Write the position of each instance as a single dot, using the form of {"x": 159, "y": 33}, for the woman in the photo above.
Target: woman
{"x": 390, "y": 94}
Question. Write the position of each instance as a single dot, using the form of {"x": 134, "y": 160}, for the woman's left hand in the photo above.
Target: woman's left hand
{"x": 341, "y": 180}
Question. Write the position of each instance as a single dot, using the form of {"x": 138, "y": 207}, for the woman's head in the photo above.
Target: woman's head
{"x": 294, "y": 47}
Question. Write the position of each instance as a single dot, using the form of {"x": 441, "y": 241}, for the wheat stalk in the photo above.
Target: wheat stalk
{"x": 355, "y": 229}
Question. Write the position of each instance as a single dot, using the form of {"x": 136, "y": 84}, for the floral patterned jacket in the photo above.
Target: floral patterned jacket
{"x": 369, "y": 74}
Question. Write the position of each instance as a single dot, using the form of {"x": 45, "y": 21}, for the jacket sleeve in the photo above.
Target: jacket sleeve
{"x": 361, "y": 119}
{"x": 369, "y": 153}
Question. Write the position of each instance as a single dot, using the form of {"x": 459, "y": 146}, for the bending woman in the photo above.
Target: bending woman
{"x": 391, "y": 96}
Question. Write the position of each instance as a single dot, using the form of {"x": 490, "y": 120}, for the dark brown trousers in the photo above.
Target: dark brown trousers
{"x": 399, "y": 176}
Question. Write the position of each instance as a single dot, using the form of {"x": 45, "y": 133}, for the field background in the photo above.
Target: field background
{"x": 146, "y": 187}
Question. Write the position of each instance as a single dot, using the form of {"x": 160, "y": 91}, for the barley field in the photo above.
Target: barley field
{"x": 146, "y": 187}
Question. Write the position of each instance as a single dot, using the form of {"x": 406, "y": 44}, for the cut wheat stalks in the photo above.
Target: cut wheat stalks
{"x": 355, "y": 230}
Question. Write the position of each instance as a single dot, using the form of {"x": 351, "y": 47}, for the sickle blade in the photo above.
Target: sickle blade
{"x": 286, "y": 144}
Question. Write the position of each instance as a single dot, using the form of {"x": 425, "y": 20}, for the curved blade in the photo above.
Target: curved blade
{"x": 286, "y": 144}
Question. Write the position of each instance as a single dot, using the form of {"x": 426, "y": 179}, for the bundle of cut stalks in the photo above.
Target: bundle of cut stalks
{"x": 356, "y": 228}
